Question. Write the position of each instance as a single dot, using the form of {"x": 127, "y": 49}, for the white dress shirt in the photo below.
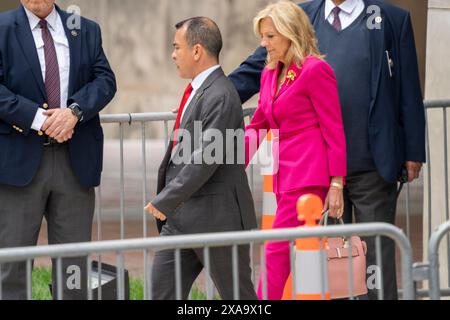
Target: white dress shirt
{"x": 197, "y": 83}
{"x": 350, "y": 11}
{"x": 56, "y": 28}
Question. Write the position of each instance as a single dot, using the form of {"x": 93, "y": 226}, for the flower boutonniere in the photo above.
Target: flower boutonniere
{"x": 290, "y": 77}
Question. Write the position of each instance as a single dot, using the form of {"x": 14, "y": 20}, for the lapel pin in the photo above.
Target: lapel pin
{"x": 378, "y": 19}
{"x": 291, "y": 76}
{"x": 74, "y": 33}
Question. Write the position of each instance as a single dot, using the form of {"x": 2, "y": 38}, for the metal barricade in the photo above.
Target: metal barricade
{"x": 123, "y": 119}
{"x": 430, "y": 106}
{"x": 144, "y": 119}
{"x": 434, "y": 106}
{"x": 207, "y": 242}
{"x": 433, "y": 256}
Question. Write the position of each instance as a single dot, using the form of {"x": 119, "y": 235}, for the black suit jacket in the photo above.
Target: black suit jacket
{"x": 202, "y": 198}
{"x": 397, "y": 116}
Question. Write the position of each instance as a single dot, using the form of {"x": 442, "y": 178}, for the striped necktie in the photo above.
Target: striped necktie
{"x": 52, "y": 80}
{"x": 337, "y": 21}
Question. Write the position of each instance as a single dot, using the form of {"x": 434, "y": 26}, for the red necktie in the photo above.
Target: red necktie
{"x": 187, "y": 94}
{"x": 52, "y": 84}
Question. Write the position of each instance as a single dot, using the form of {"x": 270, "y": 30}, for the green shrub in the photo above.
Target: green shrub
{"x": 42, "y": 277}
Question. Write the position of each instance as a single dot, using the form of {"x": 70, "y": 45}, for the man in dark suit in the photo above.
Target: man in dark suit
{"x": 54, "y": 81}
{"x": 370, "y": 45}
{"x": 196, "y": 195}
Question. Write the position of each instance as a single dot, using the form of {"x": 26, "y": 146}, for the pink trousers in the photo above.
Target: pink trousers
{"x": 278, "y": 265}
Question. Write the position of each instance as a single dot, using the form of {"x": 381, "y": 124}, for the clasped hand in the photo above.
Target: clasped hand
{"x": 60, "y": 124}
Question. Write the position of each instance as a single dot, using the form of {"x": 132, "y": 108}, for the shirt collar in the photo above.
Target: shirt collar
{"x": 34, "y": 20}
{"x": 347, "y": 6}
{"x": 198, "y": 80}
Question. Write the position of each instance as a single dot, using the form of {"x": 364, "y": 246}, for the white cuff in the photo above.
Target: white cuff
{"x": 39, "y": 120}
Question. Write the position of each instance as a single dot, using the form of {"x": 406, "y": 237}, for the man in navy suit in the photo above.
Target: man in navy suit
{"x": 54, "y": 81}
{"x": 370, "y": 45}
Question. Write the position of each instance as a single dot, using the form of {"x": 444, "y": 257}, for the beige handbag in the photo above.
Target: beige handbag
{"x": 337, "y": 251}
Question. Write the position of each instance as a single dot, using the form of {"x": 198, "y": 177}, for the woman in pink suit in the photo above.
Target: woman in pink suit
{"x": 299, "y": 102}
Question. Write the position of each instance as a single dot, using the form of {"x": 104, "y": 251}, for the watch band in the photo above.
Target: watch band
{"x": 76, "y": 111}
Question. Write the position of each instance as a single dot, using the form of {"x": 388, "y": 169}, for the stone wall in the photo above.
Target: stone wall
{"x": 8, "y": 5}
{"x": 138, "y": 36}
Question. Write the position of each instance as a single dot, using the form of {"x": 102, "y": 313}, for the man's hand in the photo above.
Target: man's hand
{"x": 413, "y": 169}
{"x": 155, "y": 212}
{"x": 60, "y": 124}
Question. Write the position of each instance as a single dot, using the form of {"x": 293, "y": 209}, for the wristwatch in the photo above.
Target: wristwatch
{"x": 76, "y": 111}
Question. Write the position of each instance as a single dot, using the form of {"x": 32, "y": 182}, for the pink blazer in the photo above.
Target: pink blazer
{"x": 307, "y": 114}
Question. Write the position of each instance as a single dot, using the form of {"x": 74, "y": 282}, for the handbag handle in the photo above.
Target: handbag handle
{"x": 324, "y": 222}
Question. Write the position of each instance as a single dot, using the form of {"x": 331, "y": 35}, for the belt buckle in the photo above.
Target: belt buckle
{"x": 49, "y": 141}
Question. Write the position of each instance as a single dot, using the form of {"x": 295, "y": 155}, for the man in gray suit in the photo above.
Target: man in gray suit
{"x": 196, "y": 195}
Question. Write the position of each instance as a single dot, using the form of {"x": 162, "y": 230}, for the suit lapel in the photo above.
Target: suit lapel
{"x": 273, "y": 92}
{"x": 199, "y": 94}
{"x": 165, "y": 163}
{"x": 377, "y": 52}
{"x": 28, "y": 46}
{"x": 74, "y": 39}
{"x": 190, "y": 107}
{"x": 274, "y": 82}
{"x": 287, "y": 81}
{"x": 193, "y": 104}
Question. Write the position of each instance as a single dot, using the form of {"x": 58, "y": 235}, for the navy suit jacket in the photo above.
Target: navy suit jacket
{"x": 397, "y": 116}
{"x": 92, "y": 85}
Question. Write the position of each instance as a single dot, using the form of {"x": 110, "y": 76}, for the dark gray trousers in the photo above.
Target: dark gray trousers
{"x": 192, "y": 263}
{"x": 68, "y": 208}
{"x": 368, "y": 198}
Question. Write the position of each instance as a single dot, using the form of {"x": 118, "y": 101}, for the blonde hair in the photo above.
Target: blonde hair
{"x": 292, "y": 23}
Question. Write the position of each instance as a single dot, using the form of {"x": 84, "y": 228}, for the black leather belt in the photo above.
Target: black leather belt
{"x": 48, "y": 142}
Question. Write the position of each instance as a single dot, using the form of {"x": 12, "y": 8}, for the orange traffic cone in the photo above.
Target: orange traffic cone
{"x": 310, "y": 262}
{"x": 269, "y": 208}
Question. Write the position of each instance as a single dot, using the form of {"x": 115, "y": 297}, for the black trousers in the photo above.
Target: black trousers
{"x": 368, "y": 198}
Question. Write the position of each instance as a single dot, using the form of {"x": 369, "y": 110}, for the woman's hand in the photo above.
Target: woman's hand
{"x": 335, "y": 198}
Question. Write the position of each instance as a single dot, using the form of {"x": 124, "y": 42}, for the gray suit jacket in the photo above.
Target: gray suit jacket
{"x": 202, "y": 198}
